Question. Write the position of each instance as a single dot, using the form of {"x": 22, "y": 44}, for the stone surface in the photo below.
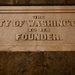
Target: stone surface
{"x": 37, "y": 28}
{"x": 26, "y": 2}
{"x": 37, "y": 63}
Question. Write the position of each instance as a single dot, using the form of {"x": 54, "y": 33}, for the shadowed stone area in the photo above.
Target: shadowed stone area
{"x": 37, "y": 63}
{"x": 35, "y": 2}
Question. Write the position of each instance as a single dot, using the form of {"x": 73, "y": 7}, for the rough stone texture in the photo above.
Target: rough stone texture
{"x": 37, "y": 63}
{"x": 27, "y": 2}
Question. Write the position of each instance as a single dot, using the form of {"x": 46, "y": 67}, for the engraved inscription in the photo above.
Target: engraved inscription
{"x": 29, "y": 29}
{"x": 39, "y": 37}
{"x": 37, "y": 27}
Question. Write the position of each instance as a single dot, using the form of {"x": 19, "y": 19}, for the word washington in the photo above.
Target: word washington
{"x": 36, "y": 23}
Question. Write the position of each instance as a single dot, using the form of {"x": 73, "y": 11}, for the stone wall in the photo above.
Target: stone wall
{"x": 26, "y": 2}
{"x": 37, "y": 63}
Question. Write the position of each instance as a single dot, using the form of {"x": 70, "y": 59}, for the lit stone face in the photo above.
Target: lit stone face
{"x": 37, "y": 28}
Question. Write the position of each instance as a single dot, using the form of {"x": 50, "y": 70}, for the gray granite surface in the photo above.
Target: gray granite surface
{"x": 37, "y": 63}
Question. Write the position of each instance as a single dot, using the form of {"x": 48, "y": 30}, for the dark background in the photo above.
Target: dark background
{"x": 37, "y": 63}
{"x": 37, "y": 2}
